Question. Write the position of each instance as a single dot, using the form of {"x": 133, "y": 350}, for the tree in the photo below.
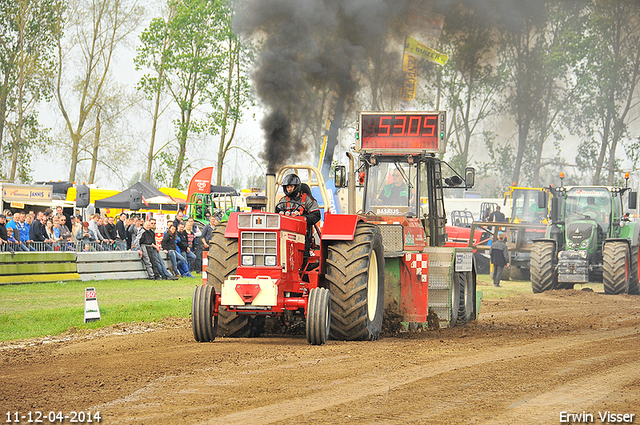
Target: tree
{"x": 610, "y": 73}
{"x": 29, "y": 32}
{"x": 231, "y": 94}
{"x": 469, "y": 81}
{"x": 188, "y": 55}
{"x": 95, "y": 31}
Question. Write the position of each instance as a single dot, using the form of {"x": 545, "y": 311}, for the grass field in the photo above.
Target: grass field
{"x": 35, "y": 310}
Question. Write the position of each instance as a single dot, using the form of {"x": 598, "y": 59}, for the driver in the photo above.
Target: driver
{"x": 295, "y": 203}
{"x": 591, "y": 209}
{"x": 396, "y": 192}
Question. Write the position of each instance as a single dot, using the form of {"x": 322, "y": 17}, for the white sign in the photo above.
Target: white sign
{"x": 464, "y": 261}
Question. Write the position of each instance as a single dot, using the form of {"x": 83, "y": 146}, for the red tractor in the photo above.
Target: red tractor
{"x": 257, "y": 268}
{"x": 389, "y": 255}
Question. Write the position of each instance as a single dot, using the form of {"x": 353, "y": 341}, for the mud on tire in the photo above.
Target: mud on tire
{"x": 355, "y": 273}
{"x": 222, "y": 262}
{"x": 615, "y": 268}
{"x": 542, "y": 267}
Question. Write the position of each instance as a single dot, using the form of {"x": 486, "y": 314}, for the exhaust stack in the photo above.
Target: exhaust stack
{"x": 271, "y": 192}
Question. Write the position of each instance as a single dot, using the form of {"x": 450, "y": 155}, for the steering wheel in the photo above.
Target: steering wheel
{"x": 294, "y": 205}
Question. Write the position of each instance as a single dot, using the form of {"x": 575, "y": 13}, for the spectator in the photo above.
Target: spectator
{"x": 16, "y": 244}
{"x": 67, "y": 218}
{"x": 178, "y": 262}
{"x": 184, "y": 245}
{"x": 132, "y": 232}
{"x": 25, "y": 227}
{"x": 121, "y": 233}
{"x": 93, "y": 226}
{"x": 147, "y": 243}
{"x": 65, "y": 235}
{"x": 86, "y": 248}
{"x": 201, "y": 213}
{"x": 104, "y": 232}
{"x": 38, "y": 234}
{"x": 110, "y": 225}
{"x": 56, "y": 226}
{"x": 4, "y": 243}
{"x": 179, "y": 218}
{"x": 86, "y": 235}
{"x": 77, "y": 226}
{"x": 194, "y": 241}
{"x": 207, "y": 232}
{"x": 52, "y": 239}
{"x": 11, "y": 220}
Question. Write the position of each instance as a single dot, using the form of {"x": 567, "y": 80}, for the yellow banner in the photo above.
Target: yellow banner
{"x": 410, "y": 74}
{"x": 413, "y": 46}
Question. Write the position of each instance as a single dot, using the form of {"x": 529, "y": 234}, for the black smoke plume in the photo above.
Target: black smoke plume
{"x": 310, "y": 44}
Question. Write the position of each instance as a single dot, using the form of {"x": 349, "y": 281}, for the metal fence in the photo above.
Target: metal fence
{"x": 64, "y": 246}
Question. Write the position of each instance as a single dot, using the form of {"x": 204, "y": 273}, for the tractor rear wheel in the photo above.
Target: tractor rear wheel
{"x": 615, "y": 268}
{"x": 222, "y": 262}
{"x": 203, "y": 322}
{"x": 355, "y": 272}
{"x": 541, "y": 267}
{"x": 318, "y": 316}
{"x": 467, "y": 303}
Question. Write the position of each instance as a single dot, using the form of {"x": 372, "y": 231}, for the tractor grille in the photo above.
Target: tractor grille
{"x": 258, "y": 245}
{"x": 578, "y": 232}
{"x": 259, "y": 221}
{"x": 392, "y": 237}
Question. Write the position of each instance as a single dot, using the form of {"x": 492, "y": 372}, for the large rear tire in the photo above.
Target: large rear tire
{"x": 355, "y": 272}
{"x": 222, "y": 262}
{"x": 615, "y": 268}
{"x": 467, "y": 304}
{"x": 542, "y": 267}
{"x": 318, "y": 316}
{"x": 203, "y": 322}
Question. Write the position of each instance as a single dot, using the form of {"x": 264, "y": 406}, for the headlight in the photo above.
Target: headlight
{"x": 247, "y": 260}
{"x": 569, "y": 244}
{"x": 584, "y": 244}
{"x": 270, "y": 260}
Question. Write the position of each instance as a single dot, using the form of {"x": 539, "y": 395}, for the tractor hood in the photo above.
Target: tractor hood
{"x": 579, "y": 234}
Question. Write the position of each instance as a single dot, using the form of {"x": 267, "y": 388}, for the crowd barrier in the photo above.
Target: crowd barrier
{"x": 55, "y": 266}
{"x": 64, "y": 246}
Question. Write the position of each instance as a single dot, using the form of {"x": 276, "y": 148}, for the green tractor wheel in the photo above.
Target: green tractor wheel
{"x": 616, "y": 270}
{"x": 542, "y": 267}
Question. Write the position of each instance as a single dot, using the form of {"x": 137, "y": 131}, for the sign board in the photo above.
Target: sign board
{"x": 464, "y": 261}
{"x": 26, "y": 193}
{"x": 401, "y": 132}
{"x": 91, "y": 308}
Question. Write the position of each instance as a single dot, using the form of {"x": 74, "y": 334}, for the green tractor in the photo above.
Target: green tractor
{"x": 589, "y": 239}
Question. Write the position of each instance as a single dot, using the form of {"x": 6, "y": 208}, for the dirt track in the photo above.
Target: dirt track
{"x": 526, "y": 360}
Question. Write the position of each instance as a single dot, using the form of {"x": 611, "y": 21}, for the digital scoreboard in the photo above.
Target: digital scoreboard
{"x": 401, "y": 132}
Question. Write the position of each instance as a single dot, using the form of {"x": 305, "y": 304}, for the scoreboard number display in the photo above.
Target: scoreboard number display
{"x": 402, "y": 132}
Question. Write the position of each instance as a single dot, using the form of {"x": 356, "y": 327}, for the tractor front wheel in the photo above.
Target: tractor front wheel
{"x": 615, "y": 268}
{"x": 355, "y": 272}
{"x": 203, "y": 322}
{"x": 318, "y": 316}
{"x": 222, "y": 262}
{"x": 542, "y": 267}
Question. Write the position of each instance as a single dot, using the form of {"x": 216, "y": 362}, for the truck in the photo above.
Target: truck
{"x": 384, "y": 256}
{"x": 588, "y": 239}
